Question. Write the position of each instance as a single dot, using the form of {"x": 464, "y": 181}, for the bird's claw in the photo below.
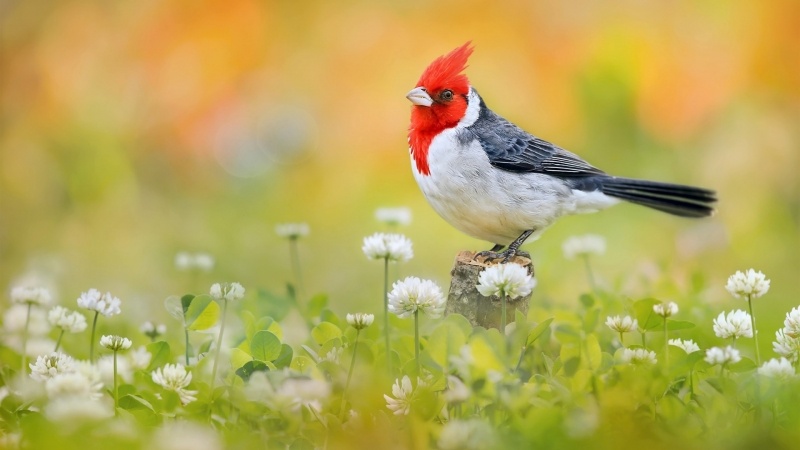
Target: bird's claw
{"x": 491, "y": 256}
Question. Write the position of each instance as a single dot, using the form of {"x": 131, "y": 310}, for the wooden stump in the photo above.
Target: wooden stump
{"x": 465, "y": 299}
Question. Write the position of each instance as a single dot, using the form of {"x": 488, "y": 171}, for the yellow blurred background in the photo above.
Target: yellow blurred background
{"x": 134, "y": 130}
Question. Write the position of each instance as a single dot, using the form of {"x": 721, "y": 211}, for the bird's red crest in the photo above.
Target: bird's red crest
{"x": 447, "y": 71}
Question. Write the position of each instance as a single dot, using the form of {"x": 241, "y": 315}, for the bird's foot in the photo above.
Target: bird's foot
{"x": 492, "y": 256}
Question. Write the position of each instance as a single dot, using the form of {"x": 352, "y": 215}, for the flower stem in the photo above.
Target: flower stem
{"x": 416, "y": 339}
{"x": 386, "y": 313}
{"x": 186, "y": 332}
{"x": 503, "y": 315}
{"x": 589, "y": 273}
{"x": 755, "y": 332}
{"x": 58, "y": 342}
{"x": 116, "y": 391}
{"x": 25, "y": 338}
{"x": 621, "y": 342}
{"x": 349, "y": 376}
{"x": 219, "y": 342}
{"x": 666, "y": 345}
{"x": 91, "y": 342}
{"x": 298, "y": 277}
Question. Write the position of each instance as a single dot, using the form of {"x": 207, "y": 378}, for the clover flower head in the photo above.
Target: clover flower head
{"x": 736, "y": 324}
{"x": 584, "y": 245}
{"x": 394, "y": 216}
{"x": 227, "y": 291}
{"x": 292, "y": 230}
{"x": 359, "y": 321}
{"x": 48, "y": 366}
{"x": 470, "y": 434}
{"x": 67, "y": 320}
{"x": 722, "y": 356}
{"x": 31, "y": 295}
{"x": 73, "y": 384}
{"x": 687, "y": 345}
{"x": 152, "y": 330}
{"x": 786, "y": 346}
{"x": 175, "y": 377}
{"x": 412, "y": 294}
{"x": 777, "y": 368}
{"x": 403, "y": 395}
{"x": 115, "y": 343}
{"x": 619, "y": 324}
{"x": 509, "y": 279}
{"x": 791, "y": 325}
{"x": 456, "y": 392}
{"x": 186, "y": 261}
{"x": 105, "y": 304}
{"x": 748, "y": 284}
{"x": 638, "y": 356}
{"x": 140, "y": 358}
{"x": 389, "y": 246}
{"x": 666, "y": 310}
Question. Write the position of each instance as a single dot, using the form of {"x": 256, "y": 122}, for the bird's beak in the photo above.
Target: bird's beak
{"x": 420, "y": 97}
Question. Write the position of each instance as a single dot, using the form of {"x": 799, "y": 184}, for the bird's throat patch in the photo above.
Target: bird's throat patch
{"x": 419, "y": 143}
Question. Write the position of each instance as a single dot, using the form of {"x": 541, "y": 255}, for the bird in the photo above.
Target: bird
{"x": 494, "y": 181}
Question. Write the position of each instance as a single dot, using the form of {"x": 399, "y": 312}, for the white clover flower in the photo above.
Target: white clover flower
{"x": 334, "y": 355}
{"x": 786, "y": 346}
{"x": 73, "y": 384}
{"x": 666, "y": 310}
{"x": 619, "y": 324}
{"x": 105, "y": 304}
{"x": 509, "y": 279}
{"x": 359, "y": 321}
{"x": 105, "y": 369}
{"x": 735, "y": 325}
{"x": 14, "y": 321}
{"x": 75, "y": 409}
{"x": 390, "y": 246}
{"x": 292, "y": 230}
{"x": 638, "y": 356}
{"x": 152, "y": 330}
{"x": 403, "y": 395}
{"x": 791, "y": 325}
{"x": 140, "y": 358}
{"x": 412, "y": 294}
{"x": 470, "y": 434}
{"x": 227, "y": 291}
{"x": 722, "y": 356}
{"x": 687, "y": 345}
{"x": 777, "y": 368}
{"x": 584, "y": 245}
{"x": 48, "y": 366}
{"x": 67, "y": 320}
{"x": 185, "y": 435}
{"x": 393, "y": 216}
{"x": 115, "y": 343}
{"x": 749, "y": 284}
{"x": 194, "y": 261}
{"x": 304, "y": 391}
{"x": 456, "y": 392}
{"x": 31, "y": 295}
{"x": 175, "y": 377}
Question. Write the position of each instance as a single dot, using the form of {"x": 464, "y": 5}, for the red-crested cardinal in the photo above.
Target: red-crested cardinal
{"x": 495, "y": 182}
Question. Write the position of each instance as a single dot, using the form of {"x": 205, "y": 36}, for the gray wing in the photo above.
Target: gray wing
{"x": 511, "y": 148}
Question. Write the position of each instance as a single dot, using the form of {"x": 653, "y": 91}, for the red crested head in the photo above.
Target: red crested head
{"x": 440, "y": 102}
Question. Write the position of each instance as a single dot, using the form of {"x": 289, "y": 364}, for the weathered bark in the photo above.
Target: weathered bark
{"x": 465, "y": 299}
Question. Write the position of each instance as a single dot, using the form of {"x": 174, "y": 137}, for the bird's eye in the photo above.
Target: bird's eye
{"x": 446, "y": 95}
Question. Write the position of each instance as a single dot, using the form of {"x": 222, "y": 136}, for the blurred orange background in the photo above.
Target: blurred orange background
{"x": 133, "y": 130}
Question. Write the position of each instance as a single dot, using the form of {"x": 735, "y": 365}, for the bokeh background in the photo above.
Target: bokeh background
{"x": 130, "y": 131}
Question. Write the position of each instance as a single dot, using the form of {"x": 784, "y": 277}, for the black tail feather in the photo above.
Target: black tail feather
{"x": 676, "y": 199}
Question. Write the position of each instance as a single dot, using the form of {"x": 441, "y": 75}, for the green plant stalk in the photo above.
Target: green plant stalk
{"x": 116, "y": 391}
{"x": 58, "y": 342}
{"x": 219, "y": 342}
{"x": 521, "y": 357}
{"x": 386, "y": 313}
{"x": 25, "y": 338}
{"x": 416, "y": 340}
{"x": 589, "y": 273}
{"x": 298, "y": 277}
{"x": 621, "y": 341}
{"x": 91, "y": 342}
{"x": 755, "y": 333}
{"x": 349, "y": 375}
{"x": 666, "y": 345}
{"x": 503, "y": 315}
{"x": 186, "y": 333}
